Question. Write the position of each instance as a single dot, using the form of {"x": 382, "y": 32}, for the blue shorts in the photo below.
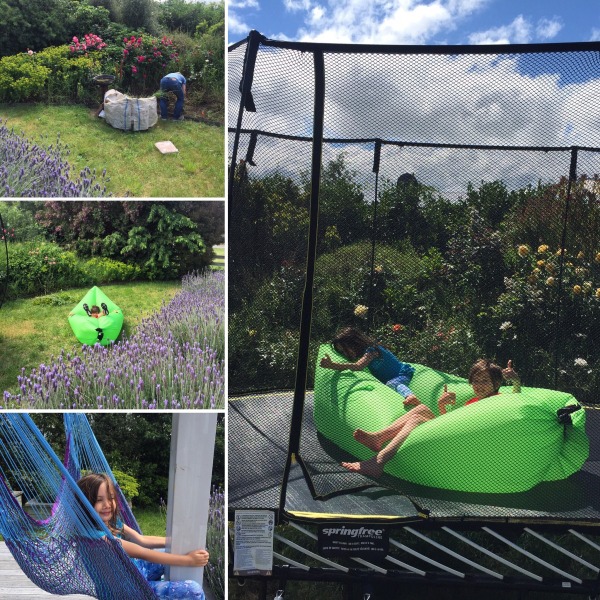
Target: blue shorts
{"x": 399, "y": 384}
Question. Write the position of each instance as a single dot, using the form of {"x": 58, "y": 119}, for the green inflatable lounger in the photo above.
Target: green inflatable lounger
{"x": 91, "y": 330}
{"x": 504, "y": 444}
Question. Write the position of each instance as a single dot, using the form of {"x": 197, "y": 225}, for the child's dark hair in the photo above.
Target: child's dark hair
{"x": 351, "y": 342}
{"x": 483, "y": 365}
{"x": 95, "y": 310}
{"x": 90, "y": 484}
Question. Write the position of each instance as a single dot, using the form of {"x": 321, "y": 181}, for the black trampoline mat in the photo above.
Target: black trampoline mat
{"x": 258, "y": 436}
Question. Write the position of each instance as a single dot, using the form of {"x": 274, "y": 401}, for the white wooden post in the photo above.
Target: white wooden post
{"x": 191, "y": 461}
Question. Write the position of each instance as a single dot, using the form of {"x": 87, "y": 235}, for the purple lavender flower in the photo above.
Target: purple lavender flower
{"x": 29, "y": 170}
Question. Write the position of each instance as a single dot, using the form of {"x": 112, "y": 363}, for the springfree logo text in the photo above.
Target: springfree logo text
{"x": 352, "y": 531}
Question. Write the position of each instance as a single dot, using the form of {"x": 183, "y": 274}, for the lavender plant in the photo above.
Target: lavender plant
{"x": 196, "y": 313}
{"x": 215, "y": 543}
{"x": 32, "y": 170}
{"x": 158, "y": 367}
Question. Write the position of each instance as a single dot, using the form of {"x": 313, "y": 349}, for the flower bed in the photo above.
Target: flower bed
{"x": 35, "y": 171}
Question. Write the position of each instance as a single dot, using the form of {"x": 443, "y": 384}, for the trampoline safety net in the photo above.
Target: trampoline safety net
{"x": 445, "y": 202}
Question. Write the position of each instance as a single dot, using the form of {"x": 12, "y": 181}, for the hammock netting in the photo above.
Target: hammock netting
{"x": 444, "y": 200}
{"x": 58, "y": 542}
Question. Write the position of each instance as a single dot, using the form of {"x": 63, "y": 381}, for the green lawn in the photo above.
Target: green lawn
{"x": 31, "y": 334}
{"x": 152, "y": 521}
{"x": 133, "y": 164}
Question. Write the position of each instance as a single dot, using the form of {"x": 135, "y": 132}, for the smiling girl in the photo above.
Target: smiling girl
{"x": 99, "y": 490}
{"x": 485, "y": 378}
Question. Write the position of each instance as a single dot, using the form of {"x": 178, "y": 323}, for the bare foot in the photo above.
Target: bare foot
{"x": 411, "y": 401}
{"x": 369, "y": 467}
{"x": 370, "y": 440}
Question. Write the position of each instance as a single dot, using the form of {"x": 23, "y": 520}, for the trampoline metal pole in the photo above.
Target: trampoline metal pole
{"x": 307, "y": 298}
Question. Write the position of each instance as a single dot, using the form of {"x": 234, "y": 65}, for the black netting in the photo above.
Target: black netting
{"x": 458, "y": 217}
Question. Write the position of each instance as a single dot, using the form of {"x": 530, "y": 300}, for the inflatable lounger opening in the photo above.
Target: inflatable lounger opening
{"x": 90, "y": 330}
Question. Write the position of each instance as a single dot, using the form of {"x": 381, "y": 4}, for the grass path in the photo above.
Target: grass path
{"x": 133, "y": 164}
{"x": 31, "y": 334}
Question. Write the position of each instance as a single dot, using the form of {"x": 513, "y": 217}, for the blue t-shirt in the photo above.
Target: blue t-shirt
{"x": 386, "y": 366}
{"x": 177, "y": 76}
{"x": 99, "y": 534}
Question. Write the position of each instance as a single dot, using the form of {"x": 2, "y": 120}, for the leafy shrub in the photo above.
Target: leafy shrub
{"x": 129, "y": 485}
{"x": 22, "y": 79}
{"x": 89, "y": 18}
{"x": 551, "y": 295}
{"x": 58, "y": 299}
{"x": 105, "y": 270}
{"x": 41, "y": 268}
{"x": 145, "y": 60}
{"x": 71, "y": 73}
{"x": 19, "y": 221}
{"x": 215, "y": 540}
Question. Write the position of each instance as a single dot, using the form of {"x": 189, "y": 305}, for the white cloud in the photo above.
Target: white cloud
{"x": 236, "y": 25}
{"x": 517, "y": 32}
{"x": 380, "y": 21}
{"x": 548, "y": 28}
{"x": 242, "y": 4}
{"x": 595, "y": 37}
{"x": 296, "y": 5}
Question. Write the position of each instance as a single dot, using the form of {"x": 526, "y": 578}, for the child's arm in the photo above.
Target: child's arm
{"x": 512, "y": 376}
{"x": 359, "y": 365}
{"x": 445, "y": 399}
{"x": 146, "y": 541}
{"x": 195, "y": 558}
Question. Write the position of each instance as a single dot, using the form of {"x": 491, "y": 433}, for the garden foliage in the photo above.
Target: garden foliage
{"x": 59, "y": 245}
{"x": 445, "y": 283}
{"x": 52, "y": 53}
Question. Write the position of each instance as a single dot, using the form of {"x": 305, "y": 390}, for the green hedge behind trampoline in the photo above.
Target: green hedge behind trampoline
{"x": 89, "y": 330}
{"x": 503, "y": 444}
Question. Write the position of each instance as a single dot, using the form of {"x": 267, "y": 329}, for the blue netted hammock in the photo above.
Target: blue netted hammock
{"x": 59, "y": 547}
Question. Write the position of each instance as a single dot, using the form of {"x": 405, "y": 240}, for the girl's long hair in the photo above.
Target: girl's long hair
{"x": 352, "y": 343}
{"x": 90, "y": 484}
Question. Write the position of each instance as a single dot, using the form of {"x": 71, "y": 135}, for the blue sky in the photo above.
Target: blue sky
{"x": 417, "y": 21}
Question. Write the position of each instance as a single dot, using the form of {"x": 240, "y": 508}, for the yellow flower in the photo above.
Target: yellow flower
{"x": 251, "y": 332}
{"x": 379, "y": 269}
{"x": 550, "y": 268}
{"x": 560, "y": 251}
{"x": 587, "y": 287}
{"x": 536, "y": 271}
{"x": 597, "y": 259}
{"x": 523, "y": 250}
{"x": 580, "y": 271}
{"x": 541, "y": 263}
{"x": 543, "y": 248}
{"x": 597, "y": 292}
{"x": 580, "y": 255}
{"x": 361, "y": 310}
{"x": 550, "y": 281}
{"x": 577, "y": 289}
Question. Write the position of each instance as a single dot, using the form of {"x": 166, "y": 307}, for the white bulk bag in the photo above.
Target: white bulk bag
{"x": 124, "y": 112}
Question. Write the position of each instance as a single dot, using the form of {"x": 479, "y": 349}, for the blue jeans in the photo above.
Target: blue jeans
{"x": 168, "y": 84}
{"x": 399, "y": 384}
